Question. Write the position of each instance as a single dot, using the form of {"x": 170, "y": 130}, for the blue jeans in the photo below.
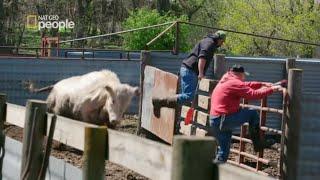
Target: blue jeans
{"x": 188, "y": 85}
{"x": 223, "y": 133}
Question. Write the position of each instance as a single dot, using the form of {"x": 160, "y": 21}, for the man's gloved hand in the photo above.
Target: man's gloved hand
{"x": 276, "y": 88}
{"x": 267, "y": 84}
{"x": 282, "y": 83}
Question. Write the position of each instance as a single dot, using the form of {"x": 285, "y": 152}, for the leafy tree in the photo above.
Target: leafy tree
{"x": 146, "y": 17}
{"x": 296, "y": 20}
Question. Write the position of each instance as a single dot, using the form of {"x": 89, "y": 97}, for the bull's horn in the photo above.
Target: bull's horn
{"x": 136, "y": 91}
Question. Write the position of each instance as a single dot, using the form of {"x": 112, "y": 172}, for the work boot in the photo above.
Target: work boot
{"x": 258, "y": 143}
{"x": 158, "y": 103}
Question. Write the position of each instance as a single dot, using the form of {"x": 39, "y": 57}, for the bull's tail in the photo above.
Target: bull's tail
{"x": 47, "y": 88}
{"x": 30, "y": 86}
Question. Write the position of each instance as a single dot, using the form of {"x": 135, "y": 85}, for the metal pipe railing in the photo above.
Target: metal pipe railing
{"x": 267, "y": 109}
{"x": 160, "y": 34}
{"x": 119, "y": 32}
{"x": 263, "y": 128}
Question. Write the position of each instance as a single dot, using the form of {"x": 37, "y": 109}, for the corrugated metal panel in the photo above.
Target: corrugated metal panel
{"x": 172, "y": 63}
{"x": 14, "y": 72}
{"x": 266, "y": 70}
{"x": 311, "y": 75}
{"x": 58, "y": 169}
{"x": 309, "y": 163}
{"x": 97, "y": 54}
{"x": 167, "y": 61}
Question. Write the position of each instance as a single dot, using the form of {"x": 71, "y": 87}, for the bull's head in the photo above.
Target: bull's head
{"x": 112, "y": 105}
{"x": 119, "y": 98}
{"x": 125, "y": 93}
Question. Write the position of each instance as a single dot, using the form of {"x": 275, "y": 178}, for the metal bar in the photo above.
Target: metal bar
{"x": 246, "y": 140}
{"x": 267, "y": 109}
{"x": 263, "y": 117}
{"x": 160, "y": 34}
{"x": 283, "y": 123}
{"x": 95, "y": 49}
{"x": 251, "y": 34}
{"x": 64, "y": 58}
{"x": 243, "y": 132}
{"x": 247, "y": 167}
{"x": 119, "y": 32}
{"x": 243, "y": 139}
{"x": 251, "y": 156}
{"x": 177, "y": 39}
{"x": 242, "y": 145}
{"x": 264, "y": 128}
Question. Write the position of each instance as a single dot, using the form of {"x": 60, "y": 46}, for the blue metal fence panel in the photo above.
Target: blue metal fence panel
{"x": 311, "y": 76}
{"x": 14, "y": 72}
{"x": 167, "y": 61}
{"x": 117, "y": 54}
{"x": 309, "y": 159}
{"x": 57, "y": 169}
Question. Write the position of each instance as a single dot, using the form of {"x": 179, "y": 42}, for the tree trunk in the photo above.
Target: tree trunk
{"x": 80, "y": 25}
{"x": 163, "y": 6}
{"x": 2, "y": 28}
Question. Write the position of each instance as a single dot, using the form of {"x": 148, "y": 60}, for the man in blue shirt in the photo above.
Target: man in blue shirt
{"x": 193, "y": 68}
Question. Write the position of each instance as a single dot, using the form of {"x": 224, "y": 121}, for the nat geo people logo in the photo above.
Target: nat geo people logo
{"x": 48, "y": 22}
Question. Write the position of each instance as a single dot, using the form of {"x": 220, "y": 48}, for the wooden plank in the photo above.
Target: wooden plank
{"x": 143, "y": 156}
{"x": 207, "y": 85}
{"x": 203, "y": 118}
{"x": 70, "y": 132}
{"x": 67, "y": 131}
{"x": 204, "y": 102}
{"x": 158, "y": 83}
{"x": 145, "y": 60}
{"x": 201, "y": 132}
{"x": 185, "y": 129}
{"x": 15, "y": 115}
{"x": 227, "y": 172}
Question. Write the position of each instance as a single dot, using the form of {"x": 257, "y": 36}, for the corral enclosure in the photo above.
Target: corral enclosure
{"x": 14, "y": 71}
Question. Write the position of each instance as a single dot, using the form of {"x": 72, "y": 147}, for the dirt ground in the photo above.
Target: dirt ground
{"x": 117, "y": 172}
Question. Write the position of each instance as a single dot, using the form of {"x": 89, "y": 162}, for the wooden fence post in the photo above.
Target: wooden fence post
{"x": 3, "y": 111}
{"x": 290, "y": 64}
{"x": 94, "y": 153}
{"x": 192, "y": 158}
{"x": 219, "y": 67}
{"x": 292, "y": 127}
{"x": 177, "y": 39}
{"x": 145, "y": 60}
{"x": 33, "y": 135}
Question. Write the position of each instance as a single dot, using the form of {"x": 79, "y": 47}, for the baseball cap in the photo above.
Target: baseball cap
{"x": 240, "y": 69}
{"x": 221, "y": 34}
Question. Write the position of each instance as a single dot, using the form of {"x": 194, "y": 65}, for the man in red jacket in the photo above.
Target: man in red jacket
{"x": 226, "y": 114}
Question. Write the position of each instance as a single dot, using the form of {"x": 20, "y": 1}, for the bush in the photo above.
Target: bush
{"x": 146, "y": 17}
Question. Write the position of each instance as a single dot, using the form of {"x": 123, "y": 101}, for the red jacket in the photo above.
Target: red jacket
{"x": 226, "y": 96}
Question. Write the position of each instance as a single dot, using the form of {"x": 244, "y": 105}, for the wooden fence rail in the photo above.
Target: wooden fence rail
{"x": 151, "y": 159}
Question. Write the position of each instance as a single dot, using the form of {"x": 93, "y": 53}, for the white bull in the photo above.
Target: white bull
{"x": 97, "y": 97}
